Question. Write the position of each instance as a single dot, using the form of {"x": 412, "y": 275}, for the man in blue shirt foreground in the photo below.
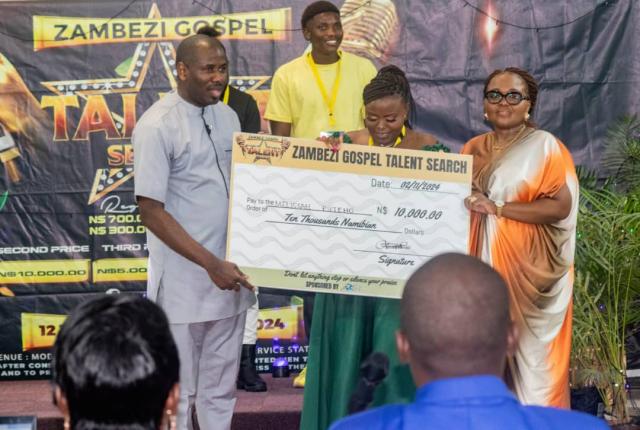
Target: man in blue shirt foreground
{"x": 455, "y": 335}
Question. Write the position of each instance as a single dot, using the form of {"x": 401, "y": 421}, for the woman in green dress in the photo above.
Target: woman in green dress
{"x": 347, "y": 329}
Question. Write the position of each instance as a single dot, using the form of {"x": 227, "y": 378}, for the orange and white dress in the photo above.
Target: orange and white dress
{"x": 536, "y": 260}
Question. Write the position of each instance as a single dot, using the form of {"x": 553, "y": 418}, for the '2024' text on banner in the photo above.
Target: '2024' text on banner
{"x": 358, "y": 221}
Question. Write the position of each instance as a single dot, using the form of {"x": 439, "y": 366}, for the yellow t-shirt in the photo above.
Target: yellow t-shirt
{"x": 295, "y": 97}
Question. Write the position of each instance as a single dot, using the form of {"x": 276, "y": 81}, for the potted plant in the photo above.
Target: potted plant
{"x": 586, "y": 373}
{"x": 607, "y": 287}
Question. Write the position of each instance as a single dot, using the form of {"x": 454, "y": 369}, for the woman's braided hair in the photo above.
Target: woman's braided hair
{"x": 389, "y": 81}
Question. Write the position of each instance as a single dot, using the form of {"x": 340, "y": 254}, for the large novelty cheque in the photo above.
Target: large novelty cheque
{"x": 356, "y": 221}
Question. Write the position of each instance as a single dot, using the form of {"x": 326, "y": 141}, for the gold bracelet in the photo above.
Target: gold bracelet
{"x": 499, "y": 205}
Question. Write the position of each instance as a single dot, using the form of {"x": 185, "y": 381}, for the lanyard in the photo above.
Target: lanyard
{"x": 225, "y": 95}
{"x": 403, "y": 132}
{"x": 329, "y": 102}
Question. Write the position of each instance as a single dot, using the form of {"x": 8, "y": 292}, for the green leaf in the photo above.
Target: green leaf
{"x": 621, "y": 158}
{"x": 607, "y": 282}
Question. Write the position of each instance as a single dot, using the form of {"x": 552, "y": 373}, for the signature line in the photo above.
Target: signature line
{"x": 393, "y": 253}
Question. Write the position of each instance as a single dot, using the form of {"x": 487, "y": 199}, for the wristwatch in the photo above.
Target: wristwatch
{"x": 499, "y": 205}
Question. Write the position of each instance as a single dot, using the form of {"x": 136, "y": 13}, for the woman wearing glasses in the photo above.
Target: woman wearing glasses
{"x": 523, "y": 219}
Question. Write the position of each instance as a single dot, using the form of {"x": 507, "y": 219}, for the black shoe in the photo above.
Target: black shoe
{"x": 248, "y": 378}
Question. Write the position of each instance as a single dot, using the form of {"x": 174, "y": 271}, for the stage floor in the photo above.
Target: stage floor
{"x": 278, "y": 408}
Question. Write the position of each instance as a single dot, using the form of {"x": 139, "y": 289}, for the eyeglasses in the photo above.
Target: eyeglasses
{"x": 512, "y": 97}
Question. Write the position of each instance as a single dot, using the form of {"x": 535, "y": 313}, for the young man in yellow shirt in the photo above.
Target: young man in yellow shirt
{"x": 322, "y": 89}
{"x": 318, "y": 91}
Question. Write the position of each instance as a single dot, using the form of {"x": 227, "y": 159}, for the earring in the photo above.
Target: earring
{"x": 526, "y": 117}
{"x": 172, "y": 420}
{"x": 486, "y": 117}
{"x": 66, "y": 425}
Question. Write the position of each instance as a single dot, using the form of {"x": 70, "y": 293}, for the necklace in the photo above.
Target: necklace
{"x": 329, "y": 102}
{"x": 500, "y": 148}
{"x": 403, "y": 132}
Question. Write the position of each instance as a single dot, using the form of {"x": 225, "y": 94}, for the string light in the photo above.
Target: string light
{"x": 548, "y": 27}
{"x": 490, "y": 27}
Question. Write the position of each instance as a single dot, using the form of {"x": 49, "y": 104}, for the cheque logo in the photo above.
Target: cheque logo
{"x": 265, "y": 147}
{"x": 348, "y": 287}
{"x": 383, "y": 244}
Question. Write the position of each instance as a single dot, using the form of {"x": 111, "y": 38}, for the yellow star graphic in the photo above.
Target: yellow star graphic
{"x": 107, "y": 180}
{"x": 134, "y": 77}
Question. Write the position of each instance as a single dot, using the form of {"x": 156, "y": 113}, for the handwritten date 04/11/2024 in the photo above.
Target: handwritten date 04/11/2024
{"x": 405, "y": 185}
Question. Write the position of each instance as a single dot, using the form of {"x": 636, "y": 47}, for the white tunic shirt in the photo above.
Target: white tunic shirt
{"x": 177, "y": 164}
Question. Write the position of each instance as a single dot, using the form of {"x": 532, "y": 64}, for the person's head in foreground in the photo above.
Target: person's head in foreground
{"x": 456, "y": 333}
{"x": 115, "y": 366}
{"x": 387, "y": 104}
{"x": 321, "y": 26}
{"x": 510, "y": 96}
{"x": 455, "y": 320}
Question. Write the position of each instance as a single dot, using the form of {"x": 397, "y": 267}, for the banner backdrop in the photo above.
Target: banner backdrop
{"x": 75, "y": 76}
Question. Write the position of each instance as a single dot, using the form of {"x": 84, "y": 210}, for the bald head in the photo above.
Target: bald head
{"x": 189, "y": 48}
{"x": 455, "y": 317}
{"x": 202, "y": 68}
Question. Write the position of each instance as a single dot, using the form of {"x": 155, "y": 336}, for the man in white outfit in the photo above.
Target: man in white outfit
{"x": 182, "y": 148}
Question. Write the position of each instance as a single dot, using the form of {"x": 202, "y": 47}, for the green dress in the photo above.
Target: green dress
{"x": 345, "y": 331}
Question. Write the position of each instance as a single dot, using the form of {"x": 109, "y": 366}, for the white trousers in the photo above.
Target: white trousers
{"x": 209, "y": 360}
{"x": 250, "y": 335}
